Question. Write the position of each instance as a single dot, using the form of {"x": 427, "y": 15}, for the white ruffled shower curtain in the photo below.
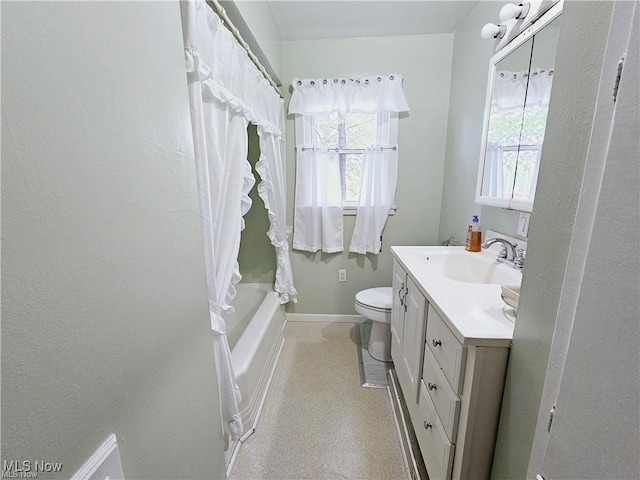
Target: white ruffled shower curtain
{"x": 226, "y": 92}
{"x": 273, "y": 192}
{"x": 318, "y": 200}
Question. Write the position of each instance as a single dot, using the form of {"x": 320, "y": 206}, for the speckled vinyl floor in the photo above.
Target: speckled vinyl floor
{"x": 317, "y": 421}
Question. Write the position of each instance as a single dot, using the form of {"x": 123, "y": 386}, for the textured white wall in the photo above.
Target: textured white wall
{"x": 581, "y": 47}
{"x": 617, "y": 295}
{"x": 425, "y": 63}
{"x": 105, "y": 315}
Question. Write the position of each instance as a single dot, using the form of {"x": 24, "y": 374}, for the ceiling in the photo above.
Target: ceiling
{"x": 313, "y": 19}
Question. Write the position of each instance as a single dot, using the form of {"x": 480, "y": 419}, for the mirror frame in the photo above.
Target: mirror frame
{"x": 509, "y": 203}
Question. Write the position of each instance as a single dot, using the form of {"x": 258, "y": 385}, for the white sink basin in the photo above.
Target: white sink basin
{"x": 464, "y": 288}
{"x": 472, "y": 268}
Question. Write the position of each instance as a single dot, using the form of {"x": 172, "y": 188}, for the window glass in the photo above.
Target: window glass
{"x": 351, "y": 131}
{"x": 509, "y": 161}
{"x": 534, "y": 124}
{"x": 326, "y": 130}
{"x": 348, "y": 131}
{"x": 360, "y": 130}
{"x": 505, "y": 126}
{"x": 519, "y": 137}
{"x": 526, "y": 169}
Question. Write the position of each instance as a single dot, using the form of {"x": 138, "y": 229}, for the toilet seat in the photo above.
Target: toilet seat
{"x": 375, "y": 303}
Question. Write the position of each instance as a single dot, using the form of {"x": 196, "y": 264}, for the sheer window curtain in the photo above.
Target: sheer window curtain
{"x": 493, "y": 183}
{"x": 318, "y": 199}
{"x": 511, "y": 88}
{"x": 318, "y": 195}
{"x": 226, "y": 92}
{"x": 378, "y": 188}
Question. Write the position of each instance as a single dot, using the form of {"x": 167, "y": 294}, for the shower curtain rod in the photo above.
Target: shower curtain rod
{"x": 219, "y": 9}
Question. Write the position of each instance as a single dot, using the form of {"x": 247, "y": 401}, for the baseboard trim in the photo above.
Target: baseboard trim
{"x": 325, "y": 318}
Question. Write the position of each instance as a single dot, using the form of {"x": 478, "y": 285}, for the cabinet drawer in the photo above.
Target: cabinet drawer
{"x": 445, "y": 400}
{"x": 436, "y": 449}
{"x": 447, "y": 350}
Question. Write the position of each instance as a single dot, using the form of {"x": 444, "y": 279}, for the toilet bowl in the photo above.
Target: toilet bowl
{"x": 375, "y": 304}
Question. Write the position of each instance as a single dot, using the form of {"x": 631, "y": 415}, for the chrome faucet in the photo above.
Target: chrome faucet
{"x": 517, "y": 254}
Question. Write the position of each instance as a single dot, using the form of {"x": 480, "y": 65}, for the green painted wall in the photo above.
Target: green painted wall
{"x": 257, "y": 257}
{"x": 105, "y": 315}
{"x": 469, "y": 76}
{"x": 425, "y": 63}
{"x": 256, "y": 25}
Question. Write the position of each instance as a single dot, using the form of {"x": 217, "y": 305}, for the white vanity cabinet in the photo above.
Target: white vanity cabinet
{"x": 452, "y": 384}
{"x": 407, "y": 331}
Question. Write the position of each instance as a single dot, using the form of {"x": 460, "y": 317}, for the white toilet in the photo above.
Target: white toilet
{"x": 375, "y": 304}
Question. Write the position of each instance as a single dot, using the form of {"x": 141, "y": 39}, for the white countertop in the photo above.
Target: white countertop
{"x": 473, "y": 311}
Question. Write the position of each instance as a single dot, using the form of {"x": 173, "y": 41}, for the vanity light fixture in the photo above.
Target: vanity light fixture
{"x": 511, "y": 10}
{"x": 493, "y": 30}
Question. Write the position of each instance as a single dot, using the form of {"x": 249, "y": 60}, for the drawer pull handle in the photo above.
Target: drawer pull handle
{"x": 436, "y": 343}
{"x": 427, "y": 425}
{"x": 432, "y": 386}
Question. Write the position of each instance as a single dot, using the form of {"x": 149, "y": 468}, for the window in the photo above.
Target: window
{"x": 346, "y": 160}
{"x": 351, "y": 134}
{"x": 519, "y": 135}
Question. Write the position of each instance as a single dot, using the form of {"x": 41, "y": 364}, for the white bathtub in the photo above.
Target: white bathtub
{"x": 255, "y": 334}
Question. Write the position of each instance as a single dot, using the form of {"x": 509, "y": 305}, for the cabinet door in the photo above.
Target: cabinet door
{"x": 413, "y": 337}
{"x": 397, "y": 307}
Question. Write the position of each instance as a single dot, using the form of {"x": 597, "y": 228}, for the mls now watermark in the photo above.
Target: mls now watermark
{"x": 28, "y": 469}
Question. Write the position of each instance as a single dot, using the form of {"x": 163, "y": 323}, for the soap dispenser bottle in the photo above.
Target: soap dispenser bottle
{"x": 474, "y": 236}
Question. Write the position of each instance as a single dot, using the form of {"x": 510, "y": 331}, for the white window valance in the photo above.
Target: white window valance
{"x": 511, "y": 88}
{"x": 364, "y": 95}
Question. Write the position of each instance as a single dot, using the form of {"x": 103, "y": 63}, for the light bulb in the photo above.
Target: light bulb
{"x": 511, "y": 10}
{"x": 493, "y": 30}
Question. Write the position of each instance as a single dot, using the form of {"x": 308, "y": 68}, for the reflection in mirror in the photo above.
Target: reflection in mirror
{"x": 535, "y": 113}
{"x": 505, "y": 122}
{"x": 521, "y": 76}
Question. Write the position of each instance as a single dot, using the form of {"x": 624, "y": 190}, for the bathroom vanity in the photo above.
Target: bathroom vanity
{"x": 450, "y": 346}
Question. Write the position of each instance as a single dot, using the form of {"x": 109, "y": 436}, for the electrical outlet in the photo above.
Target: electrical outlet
{"x": 342, "y": 275}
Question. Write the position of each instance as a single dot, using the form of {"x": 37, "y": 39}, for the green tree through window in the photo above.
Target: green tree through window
{"x": 350, "y": 133}
{"x": 519, "y": 133}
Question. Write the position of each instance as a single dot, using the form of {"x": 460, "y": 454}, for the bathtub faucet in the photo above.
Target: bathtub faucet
{"x": 517, "y": 255}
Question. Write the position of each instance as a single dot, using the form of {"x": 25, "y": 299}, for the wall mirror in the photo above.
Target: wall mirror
{"x": 519, "y": 88}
